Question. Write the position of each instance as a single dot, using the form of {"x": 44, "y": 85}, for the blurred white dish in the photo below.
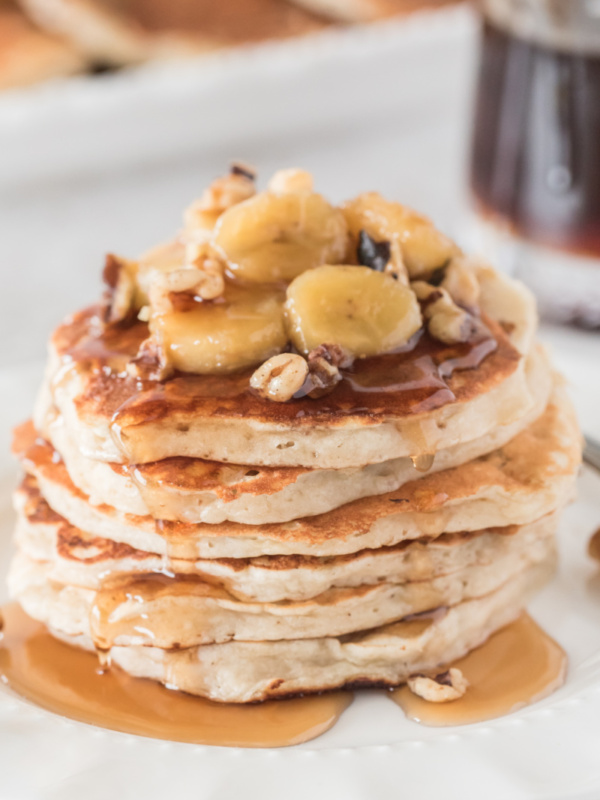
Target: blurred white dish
{"x": 122, "y": 120}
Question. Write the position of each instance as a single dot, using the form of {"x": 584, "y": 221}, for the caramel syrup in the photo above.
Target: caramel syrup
{"x": 67, "y": 681}
{"x": 517, "y": 666}
{"x": 418, "y": 378}
{"x": 124, "y": 606}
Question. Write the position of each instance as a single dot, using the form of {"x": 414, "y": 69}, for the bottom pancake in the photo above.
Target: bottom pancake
{"x": 242, "y": 672}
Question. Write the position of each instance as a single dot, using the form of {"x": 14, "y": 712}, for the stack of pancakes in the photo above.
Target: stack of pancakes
{"x": 241, "y": 549}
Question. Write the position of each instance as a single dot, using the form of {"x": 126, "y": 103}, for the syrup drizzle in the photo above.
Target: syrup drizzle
{"x": 67, "y": 681}
{"x": 129, "y": 605}
{"x": 517, "y": 666}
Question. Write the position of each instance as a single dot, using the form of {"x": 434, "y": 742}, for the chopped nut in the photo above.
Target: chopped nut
{"x": 323, "y": 376}
{"x": 280, "y": 377}
{"x": 119, "y": 276}
{"x": 291, "y": 181}
{"x": 442, "y": 688}
{"x": 323, "y": 369}
{"x": 223, "y": 193}
{"x": 150, "y": 364}
{"x": 460, "y": 281}
{"x": 445, "y": 320}
{"x": 333, "y": 353}
{"x": 205, "y": 283}
{"x": 201, "y": 256}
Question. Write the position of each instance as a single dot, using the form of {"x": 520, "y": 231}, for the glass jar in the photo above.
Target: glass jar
{"x": 535, "y": 159}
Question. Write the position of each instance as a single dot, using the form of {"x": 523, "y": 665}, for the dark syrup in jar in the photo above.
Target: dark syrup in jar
{"x": 536, "y": 150}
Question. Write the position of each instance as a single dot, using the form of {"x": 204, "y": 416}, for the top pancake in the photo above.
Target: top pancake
{"x": 193, "y": 490}
{"x": 403, "y": 404}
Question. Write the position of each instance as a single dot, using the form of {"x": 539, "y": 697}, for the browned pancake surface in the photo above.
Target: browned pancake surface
{"x": 549, "y": 448}
{"x": 410, "y": 383}
{"x": 76, "y": 545}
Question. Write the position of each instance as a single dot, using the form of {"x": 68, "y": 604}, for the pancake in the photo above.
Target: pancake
{"x": 413, "y": 410}
{"x": 241, "y": 672}
{"x": 28, "y": 55}
{"x": 530, "y": 476}
{"x": 126, "y": 31}
{"x": 182, "y": 611}
{"x": 77, "y": 558}
{"x": 300, "y": 447}
{"x": 193, "y": 490}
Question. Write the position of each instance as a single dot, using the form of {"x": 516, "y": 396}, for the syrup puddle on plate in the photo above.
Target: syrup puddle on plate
{"x": 68, "y": 681}
{"x": 517, "y": 666}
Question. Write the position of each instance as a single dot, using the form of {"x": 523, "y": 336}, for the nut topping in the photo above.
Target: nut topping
{"x": 150, "y": 364}
{"x": 196, "y": 283}
{"x": 446, "y": 322}
{"x": 460, "y": 281}
{"x": 442, "y": 688}
{"x": 223, "y": 193}
{"x": 334, "y": 354}
{"x": 119, "y": 276}
{"x": 280, "y": 377}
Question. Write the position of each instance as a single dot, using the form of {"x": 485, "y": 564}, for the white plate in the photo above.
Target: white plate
{"x": 549, "y": 750}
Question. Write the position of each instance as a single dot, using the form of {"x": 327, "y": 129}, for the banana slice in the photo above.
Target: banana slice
{"x": 422, "y": 246}
{"x": 162, "y": 258}
{"x": 274, "y": 237}
{"x": 366, "y": 312}
{"x": 242, "y": 329}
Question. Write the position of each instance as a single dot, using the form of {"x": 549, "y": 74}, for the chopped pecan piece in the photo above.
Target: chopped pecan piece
{"x": 442, "y": 688}
{"x": 150, "y": 364}
{"x": 446, "y": 321}
{"x": 460, "y": 281}
{"x": 223, "y": 193}
{"x": 118, "y": 300}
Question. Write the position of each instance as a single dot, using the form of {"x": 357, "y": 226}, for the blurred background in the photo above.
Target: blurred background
{"x": 114, "y": 114}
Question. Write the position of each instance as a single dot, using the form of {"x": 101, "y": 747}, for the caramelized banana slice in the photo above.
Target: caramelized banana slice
{"x": 274, "y": 237}
{"x": 422, "y": 247}
{"x": 242, "y": 329}
{"x": 364, "y": 311}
